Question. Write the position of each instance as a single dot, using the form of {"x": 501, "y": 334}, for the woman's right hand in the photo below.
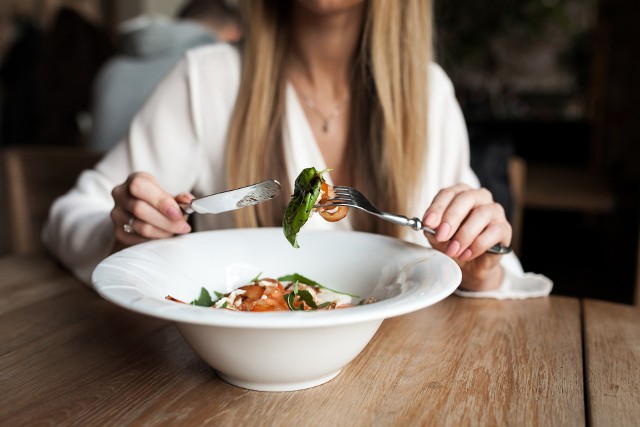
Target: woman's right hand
{"x": 144, "y": 211}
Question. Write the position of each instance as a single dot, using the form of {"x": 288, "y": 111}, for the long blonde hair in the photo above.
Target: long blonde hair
{"x": 388, "y": 129}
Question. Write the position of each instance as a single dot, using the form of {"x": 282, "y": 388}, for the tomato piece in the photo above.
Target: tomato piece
{"x": 268, "y": 305}
{"x": 324, "y": 190}
{"x": 252, "y": 291}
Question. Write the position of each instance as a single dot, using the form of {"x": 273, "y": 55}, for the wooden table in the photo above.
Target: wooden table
{"x": 612, "y": 360}
{"x": 70, "y": 357}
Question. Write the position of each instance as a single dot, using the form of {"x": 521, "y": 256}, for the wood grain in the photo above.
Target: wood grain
{"x": 70, "y": 357}
{"x": 612, "y": 361}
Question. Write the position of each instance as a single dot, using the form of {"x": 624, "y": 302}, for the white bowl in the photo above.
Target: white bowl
{"x": 276, "y": 351}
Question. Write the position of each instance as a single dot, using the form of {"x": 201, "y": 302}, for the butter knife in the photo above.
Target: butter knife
{"x": 234, "y": 199}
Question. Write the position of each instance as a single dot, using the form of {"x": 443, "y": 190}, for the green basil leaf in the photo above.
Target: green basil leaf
{"x": 295, "y": 277}
{"x": 289, "y": 299}
{"x": 308, "y": 298}
{"x": 304, "y": 295}
{"x": 306, "y": 191}
{"x": 218, "y": 296}
{"x": 255, "y": 279}
{"x": 204, "y": 300}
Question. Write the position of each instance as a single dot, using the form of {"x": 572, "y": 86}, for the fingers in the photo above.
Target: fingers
{"x": 485, "y": 226}
{"x": 184, "y": 198}
{"x": 451, "y": 206}
{"x": 139, "y": 226}
{"x": 467, "y": 222}
{"x": 143, "y": 211}
{"x": 119, "y": 219}
{"x": 144, "y": 187}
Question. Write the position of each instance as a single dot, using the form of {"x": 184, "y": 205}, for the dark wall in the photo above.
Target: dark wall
{"x": 580, "y": 110}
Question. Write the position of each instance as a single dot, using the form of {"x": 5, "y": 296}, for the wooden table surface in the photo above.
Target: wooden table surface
{"x": 70, "y": 357}
{"x": 612, "y": 355}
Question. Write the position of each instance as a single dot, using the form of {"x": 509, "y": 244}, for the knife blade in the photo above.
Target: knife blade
{"x": 234, "y": 199}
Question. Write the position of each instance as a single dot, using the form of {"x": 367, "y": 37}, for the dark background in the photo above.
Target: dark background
{"x": 555, "y": 82}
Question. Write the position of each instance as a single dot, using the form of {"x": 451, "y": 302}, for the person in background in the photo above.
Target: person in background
{"x": 348, "y": 85}
{"x": 149, "y": 46}
{"x": 73, "y": 51}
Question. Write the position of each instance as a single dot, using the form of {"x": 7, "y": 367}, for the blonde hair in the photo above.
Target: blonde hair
{"x": 388, "y": 129}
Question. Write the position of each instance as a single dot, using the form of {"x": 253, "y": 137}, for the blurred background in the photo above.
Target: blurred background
{"x": 548, "y": 89}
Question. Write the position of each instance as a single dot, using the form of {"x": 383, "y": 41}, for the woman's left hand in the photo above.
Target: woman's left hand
{"x": 468, "y": 222}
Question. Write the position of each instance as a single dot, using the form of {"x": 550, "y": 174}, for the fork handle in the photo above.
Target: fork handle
{"x": 417, "y": 225}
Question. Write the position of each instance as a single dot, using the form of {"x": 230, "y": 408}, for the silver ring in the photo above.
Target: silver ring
{"x": 128, "y": 227}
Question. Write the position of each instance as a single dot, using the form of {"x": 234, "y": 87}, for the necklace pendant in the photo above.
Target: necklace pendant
{"x": 325, "y": 126}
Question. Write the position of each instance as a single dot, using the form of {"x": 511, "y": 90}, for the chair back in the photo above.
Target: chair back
{"x": 34, "y": 178}
{"x": 517, "y": 183}
{"x": 636, "y": 292}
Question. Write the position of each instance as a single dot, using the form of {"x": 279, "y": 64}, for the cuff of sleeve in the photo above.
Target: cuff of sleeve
{"x": 515, "y": 286}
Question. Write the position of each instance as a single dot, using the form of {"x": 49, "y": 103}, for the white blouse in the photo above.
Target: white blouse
{"x": 179, "y": 137}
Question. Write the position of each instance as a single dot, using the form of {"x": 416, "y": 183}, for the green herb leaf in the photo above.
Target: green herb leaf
{"x": 289, "y": 299}
{"x": 305, "y": 193}
{"x": 308, "y": 298}
{"x": 255, "y": 279}
{"x": 304, "y": 295}
{"x": 204, "y": 300}
{"x": 218, "y": 296}
{"x": 295, "y": 277}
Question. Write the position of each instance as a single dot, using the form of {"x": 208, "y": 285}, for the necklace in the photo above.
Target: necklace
{"x": 326, "y": 119}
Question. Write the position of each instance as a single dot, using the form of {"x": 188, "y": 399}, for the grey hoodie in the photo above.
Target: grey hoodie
{"x": 149, "y": 48}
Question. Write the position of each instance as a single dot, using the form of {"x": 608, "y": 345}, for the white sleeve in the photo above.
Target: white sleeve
{"x": 164, "y": 140}
{"x": 452, "y": 165}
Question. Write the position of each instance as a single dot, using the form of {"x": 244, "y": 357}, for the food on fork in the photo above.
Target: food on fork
{"x": 293, "y": 292}
{"x": 330, "y": 213}
{"x": 310, "y": 187}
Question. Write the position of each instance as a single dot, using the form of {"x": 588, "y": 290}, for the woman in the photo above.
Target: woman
{"x": 341, "y": 84}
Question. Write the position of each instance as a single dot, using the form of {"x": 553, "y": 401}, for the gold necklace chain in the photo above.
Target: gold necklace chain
{"x": 326, "y": 119}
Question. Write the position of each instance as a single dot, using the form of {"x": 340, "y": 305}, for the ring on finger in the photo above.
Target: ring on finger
{"x": 128, "y": 227}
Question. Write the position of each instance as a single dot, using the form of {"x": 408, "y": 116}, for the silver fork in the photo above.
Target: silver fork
{"x": 347, "y": 196}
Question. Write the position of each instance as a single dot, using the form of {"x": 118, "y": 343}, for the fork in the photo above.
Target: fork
{"x": 350, "y": 197}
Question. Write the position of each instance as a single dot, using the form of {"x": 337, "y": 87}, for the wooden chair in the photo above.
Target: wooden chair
{"x": 34, "y": 177}
{"x": 636, "y": 296}
{"x": 517, "y": 183}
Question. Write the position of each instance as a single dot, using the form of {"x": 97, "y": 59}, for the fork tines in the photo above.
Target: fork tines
{"x": 334, "y": 202}
{"x": 342, "y": 189}
{"x": 343, "y": 198}
{"x": 343, "y": 193}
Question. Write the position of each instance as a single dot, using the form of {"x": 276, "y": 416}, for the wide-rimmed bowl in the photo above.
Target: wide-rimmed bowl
{"x": 276, "y": 351}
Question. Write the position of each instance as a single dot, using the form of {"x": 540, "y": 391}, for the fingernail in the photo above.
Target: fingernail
{"x": 465, "y": 255}
{"x": 186, "y": 228}
{"x": 430, "y": 220}
{"x": 453, "y": 248}
{"x": 442, "y": 233}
